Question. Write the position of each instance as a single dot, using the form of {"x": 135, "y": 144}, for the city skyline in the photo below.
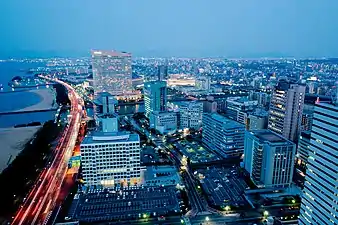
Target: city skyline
{"x": 226, "y": 29}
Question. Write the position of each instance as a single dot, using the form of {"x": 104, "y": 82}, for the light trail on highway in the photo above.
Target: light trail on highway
{"x": 42, "y": 199}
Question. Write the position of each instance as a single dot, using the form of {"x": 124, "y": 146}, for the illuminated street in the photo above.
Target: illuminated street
{"x": 42, "y": 199}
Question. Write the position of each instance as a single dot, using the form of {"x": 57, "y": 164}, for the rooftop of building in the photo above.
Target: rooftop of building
{"x": 160, "y": 172}
{"x": 284, "y": 84}
{"x": 259, "y": 112}
{"x": 107, "y": 115}
{"x": 312, "y": 98}
{"x": 163, "y": 113}
{"x": 155, "y": 83}
{"x": 109, "y": 53}
{"x": 226, "y": 121}
{"x": 269, "y": 136}
{"x": 113, "y": 137}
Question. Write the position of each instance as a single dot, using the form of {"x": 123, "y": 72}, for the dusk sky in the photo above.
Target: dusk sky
{"x": 191, "y": 28}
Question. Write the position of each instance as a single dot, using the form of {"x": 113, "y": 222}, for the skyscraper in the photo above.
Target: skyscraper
{"x": 286, "y": 107}
{"x": 320, "y": 193}
{"x": 162, "y": 72}
{"x": 155, "y": 97}
{"x": 269, "y": 158}
{"x": 112, "y": 72}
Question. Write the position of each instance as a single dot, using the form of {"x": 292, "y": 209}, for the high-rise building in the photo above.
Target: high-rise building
{"x": 155, "y": 97}
{"x": 108, "y": 103}
{"x": 210, "y": 106}
{"x": 320, "y": 193}
{"x": 286, "y": 108}
{"x": 191, "y": 115}
{"x": 257, "y": 120}
{"x": 112, "y": 72}
{"x": 162, "y": 72}
{"x": 110, "y": 158}
{"x": 236, "y": 107}
{"x": 269, "y": 158}
{"x": 223, "y": 135}
{"x": 303, "y": 148}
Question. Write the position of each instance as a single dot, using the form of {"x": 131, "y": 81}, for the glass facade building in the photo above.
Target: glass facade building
{"x": 112, "y": 72}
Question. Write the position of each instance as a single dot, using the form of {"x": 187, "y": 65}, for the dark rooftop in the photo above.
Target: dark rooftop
{"x": 269, "y": 136}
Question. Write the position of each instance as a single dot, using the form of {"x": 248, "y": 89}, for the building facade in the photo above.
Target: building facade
{"x": 320, "y": 193}
{"x": 269, "y": 158}
{"x": 237, "y": 107}
{"x": 164, "y": 122}
{"x": 210, "y": 106}
{"x": 257, "y": 120}
{"x": 223, "y": 135}
{"x": 286, "y": 108}
{"x": 303, "y": 148}
{"x": 155, "y": 97}
{"x": 108, "y": 159}
{"x": 191, "y": 115}
{"x": 112, "y": 72}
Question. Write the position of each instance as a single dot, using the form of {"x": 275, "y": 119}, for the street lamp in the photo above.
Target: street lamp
{"x": 207, "y": 218}
{"x": 265, "y": 213}
{"x": 182, "y": 221}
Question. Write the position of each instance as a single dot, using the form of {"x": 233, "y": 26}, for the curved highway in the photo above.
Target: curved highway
{"x": 41, "y": 200}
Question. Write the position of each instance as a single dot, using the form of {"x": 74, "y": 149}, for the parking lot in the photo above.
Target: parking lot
{"x": 223, "y": 186}
{"x": 125, "y": 203}
{"x": 195, "y": 152}
{"x": 149, "y": 156}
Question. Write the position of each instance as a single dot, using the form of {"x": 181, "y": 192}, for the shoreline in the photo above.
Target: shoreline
{"x": 13, "y": 141}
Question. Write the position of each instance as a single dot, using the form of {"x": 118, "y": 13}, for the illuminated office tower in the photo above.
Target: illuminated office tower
{"x": 320, "y": 193}
{"x": 269, "y": 158}
{"x": 155, "y": 97}
{"x": 223, "y": 135}
{"x": 286, "y": 107}
{"x": 110, "y": 158}
{"x": 112, "y": 72}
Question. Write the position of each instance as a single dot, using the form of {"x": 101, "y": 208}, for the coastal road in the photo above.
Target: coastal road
{"x": 42, "y": 199}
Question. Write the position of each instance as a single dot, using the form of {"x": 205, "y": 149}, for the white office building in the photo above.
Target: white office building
{"x": 190, "y": 114}
{"x": 320, "y": 193}
{"x": 108, "y": 159}
{"x": 223, "y": 135}
{"x": 269, "y": 158}
{"x": 164, "y": 122}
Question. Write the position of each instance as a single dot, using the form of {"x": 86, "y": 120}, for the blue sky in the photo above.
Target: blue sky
{"x": 195, "y": 28}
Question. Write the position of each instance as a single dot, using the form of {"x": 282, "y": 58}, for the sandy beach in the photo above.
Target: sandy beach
{"x": 47, "y": 101}
{"x": 12, "y": 143}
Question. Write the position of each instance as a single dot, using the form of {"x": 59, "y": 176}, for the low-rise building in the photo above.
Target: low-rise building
{"x": 161, "y": 176}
